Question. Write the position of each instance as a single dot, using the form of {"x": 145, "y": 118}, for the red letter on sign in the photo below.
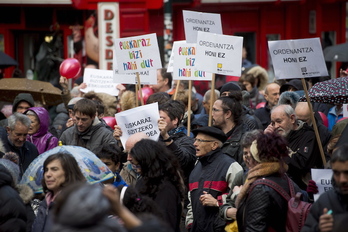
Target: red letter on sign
{"x": 108, "y": 15}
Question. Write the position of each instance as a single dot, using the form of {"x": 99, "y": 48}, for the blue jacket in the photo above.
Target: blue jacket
{"x": 333, "y": 117}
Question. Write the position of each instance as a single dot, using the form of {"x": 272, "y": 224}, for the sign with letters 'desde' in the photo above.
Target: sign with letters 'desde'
{"x": 221, "y": 54}
{"x": 184, "y": 63}
{"x": 137, "y": 54}
{"x": 139, "y": 119}
{"x": 322, "y": 177}
{"x": 198, "y": 21}
{"x": 302, "y": 58}
{"x": 99, "y": 81}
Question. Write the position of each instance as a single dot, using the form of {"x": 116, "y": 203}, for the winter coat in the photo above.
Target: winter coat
{"x": 232, "y": 145}
{"x": 168, "y": 201}
{"x": 264, "y": 115}
{"x": 333, "y": 200}
{"x": 263, "y": 208}
{"x": 304, "y": 153}
{"x": 12, "y": 209}
{"x": 213, "y": 173}
{"x": 92, "y": 139}
{"x": 333, "y": 117}
{"x": 42, "y": 139}
{"x": 43, "y": 221}
{"x": 59, "y": 122}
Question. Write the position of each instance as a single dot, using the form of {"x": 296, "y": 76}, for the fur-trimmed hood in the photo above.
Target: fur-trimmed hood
{"x": 25, "y": 192}
{"x": 261, "y": 74}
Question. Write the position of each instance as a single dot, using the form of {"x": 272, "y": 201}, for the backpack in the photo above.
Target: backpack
{"x": 297, "y": 209}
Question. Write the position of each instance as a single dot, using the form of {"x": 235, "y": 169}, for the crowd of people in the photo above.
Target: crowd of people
{"x": 195, "y": 178}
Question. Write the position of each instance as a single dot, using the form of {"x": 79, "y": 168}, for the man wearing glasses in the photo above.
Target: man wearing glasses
{"x": 227, "y": 115}
{"x": 210, "y": 179}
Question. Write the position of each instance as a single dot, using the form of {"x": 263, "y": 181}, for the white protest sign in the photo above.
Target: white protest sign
{"x": 221, "y": 54}
{"x": 345, "y": 110}
{"x": 99, "y": 81}
{"x": 171, "y": 58}
{"x": 137, "y": 54}
{"x": 140, "y": 119}
{"x": 198, "y": 21}
{"x": 300, "y": 58}
{"x": 322, "y": 177}
{"x": 148, "y": 77}
{"x": 184, "y": 63}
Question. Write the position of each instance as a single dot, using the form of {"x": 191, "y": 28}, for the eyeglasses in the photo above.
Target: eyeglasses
{"x": 203, "y": 140}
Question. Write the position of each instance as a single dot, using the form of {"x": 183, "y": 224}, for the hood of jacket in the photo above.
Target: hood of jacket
{"x": 22, "y": 97}
{"x": 44, "y": 120}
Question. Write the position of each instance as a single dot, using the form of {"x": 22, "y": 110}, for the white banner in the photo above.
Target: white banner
{"x": 99, "y": 81}
{"x": 137, "y": 54}
{"x": 171, "y": 59}
{"x": 302, "y": 58}
{"x": 221, "y": 54}
{"x": 322, "y": 177}
{"x": 198, "y": 21}
{"x": 140, "y": 119}
{"x": 148, "y": 77}
{"x": 184, "y": 63}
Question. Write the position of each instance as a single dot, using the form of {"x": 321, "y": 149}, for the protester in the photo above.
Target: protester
{"x": 330, "y": 211}
{"x": 335, "y": 113}
{"x": 110, "y": 155}
{"x": 249, "y": 82}
{"x": 227, "y": 115}
{"x": 174, "y": 135}
{"x": 161, "y": 179}
{"x": 164, "y": 81}
{"x": 271, "y": 96}
{"x": 21, "y": 103}
{"x": 17, "y": 131}
{"x": 15, "y": 210}
{"x": 59, "y": 171}
{"x": 260, "y": 207}
{"x": 210, "y": 179}
{"x": 228, "y": 210}
{"x": 38, "y": 131}
{"x": 83, "y": 207}
{"x": 302, "y": 145}
{"x": 88, "y": 132}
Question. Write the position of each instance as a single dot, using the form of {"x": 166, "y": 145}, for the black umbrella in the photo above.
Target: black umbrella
{"x": 337, "y": 52}
{"x": 6, "y": 60}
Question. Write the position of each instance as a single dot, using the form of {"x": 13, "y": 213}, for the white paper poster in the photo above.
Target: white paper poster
{"x": 99, "y": 81}
{"x": 140, "y": 119}
{"x": 198, "y": 21}
{"x": 221, "y": 54}
{"x": 345, "y": 110}
{"x": 302, "y": 58}
{"x": 171, "y": 58}
{"x": 137, "y": 54}
{"x": 322, "y": 177}
{"x": 148, "y": 77}
{"x": 184, "y": 63}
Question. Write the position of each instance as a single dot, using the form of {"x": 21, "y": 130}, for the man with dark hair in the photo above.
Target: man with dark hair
{"x": 88, "y": 131}
{"x": 227, "y": 115}
{"x": 17, "y": 131}
{"x": 164, "y": 81}
{"x": 175, "y": 136}
{"x": 330, "y": 211}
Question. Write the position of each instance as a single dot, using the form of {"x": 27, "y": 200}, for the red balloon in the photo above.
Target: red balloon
{"x": 111, "y": 121}
{"x": 146, "y": 91}
{"x": 70, "y": 68}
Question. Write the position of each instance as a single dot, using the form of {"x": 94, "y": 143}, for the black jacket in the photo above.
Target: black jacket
{"x": 13, "y": 216}
{"x": 304, "y": 153}
{"x": 264, "y": 208}
{"x": 331, "y": 200}
{"x": 264, "y": 115}
{"x": 232, "y": 145}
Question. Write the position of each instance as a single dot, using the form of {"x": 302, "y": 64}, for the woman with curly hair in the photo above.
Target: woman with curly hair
{"x": 161, "y": 178}
{"x": 260, "y": 207}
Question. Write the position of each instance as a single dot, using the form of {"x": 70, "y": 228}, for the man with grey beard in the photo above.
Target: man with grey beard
{"x": 303, "y": 148}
